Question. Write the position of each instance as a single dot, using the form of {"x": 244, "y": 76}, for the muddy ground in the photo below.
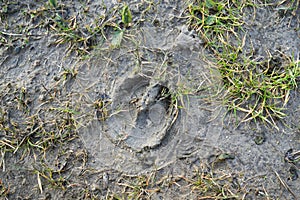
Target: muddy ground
{"x": 94, "y": 108}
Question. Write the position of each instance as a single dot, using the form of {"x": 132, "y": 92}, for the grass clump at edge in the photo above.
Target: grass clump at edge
{"x": 258, "y": 89}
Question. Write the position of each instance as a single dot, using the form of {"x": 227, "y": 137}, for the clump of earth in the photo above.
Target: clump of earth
{"x": 157, "y": 111}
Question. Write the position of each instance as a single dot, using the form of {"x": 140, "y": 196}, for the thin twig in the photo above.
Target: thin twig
{"x": 19, "y": 35}
{"x": 285, "y": 185}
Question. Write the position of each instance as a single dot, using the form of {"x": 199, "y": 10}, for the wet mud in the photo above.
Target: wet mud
{"x": 157, "y": 109}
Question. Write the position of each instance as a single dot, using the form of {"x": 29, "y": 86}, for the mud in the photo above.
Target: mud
{"x": 146, "y": 113}
{"x": 161, "y": 112}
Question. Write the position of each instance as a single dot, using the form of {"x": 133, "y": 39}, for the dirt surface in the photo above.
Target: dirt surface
{"x": 100, "y": 112}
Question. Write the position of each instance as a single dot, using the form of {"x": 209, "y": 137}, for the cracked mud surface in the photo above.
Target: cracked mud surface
{"x": 145, "y": 129}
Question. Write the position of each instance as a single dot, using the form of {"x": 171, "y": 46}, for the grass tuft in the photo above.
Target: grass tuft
{"x": 260, "y": 90}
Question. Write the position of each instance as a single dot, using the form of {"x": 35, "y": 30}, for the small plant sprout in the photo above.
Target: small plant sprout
{"x": 126, "y": 15}
{"x": 53, "y": 3}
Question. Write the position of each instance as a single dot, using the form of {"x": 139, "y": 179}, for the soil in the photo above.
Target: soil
{"x": 156, "y": 114}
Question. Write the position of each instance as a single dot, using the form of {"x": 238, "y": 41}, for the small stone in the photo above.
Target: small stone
{"x": 105, "y": 180}
{"x": 95, "y": 187}
{"x": 36, "y": 63}
{"x": 42, "y": 97}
